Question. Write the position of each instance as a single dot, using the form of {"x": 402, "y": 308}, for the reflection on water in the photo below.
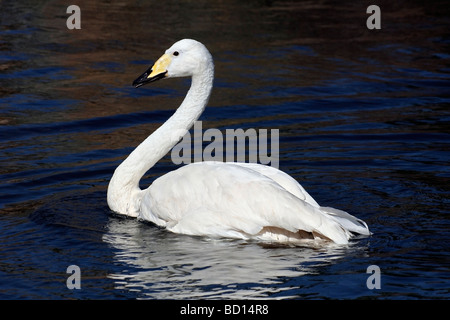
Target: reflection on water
{"x": 163, "y": 265}
{"x": 363, "y": 121}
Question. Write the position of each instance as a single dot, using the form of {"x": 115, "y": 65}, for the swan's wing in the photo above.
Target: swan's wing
{"x": 224, "y": 199}
{"x": 348, "y": 221}
{"x": 283, "y": 179}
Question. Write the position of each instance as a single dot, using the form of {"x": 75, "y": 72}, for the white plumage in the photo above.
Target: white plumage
{"x": 217, "y": 199}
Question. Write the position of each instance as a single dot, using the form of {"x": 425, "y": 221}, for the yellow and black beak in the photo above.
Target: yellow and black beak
{"x": 155, "y": 72}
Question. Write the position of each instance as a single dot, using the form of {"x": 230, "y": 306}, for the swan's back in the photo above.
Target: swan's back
{"x": 238, "y": 201}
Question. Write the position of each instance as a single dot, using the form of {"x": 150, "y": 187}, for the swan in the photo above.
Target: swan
{"x": 217, "y": 199}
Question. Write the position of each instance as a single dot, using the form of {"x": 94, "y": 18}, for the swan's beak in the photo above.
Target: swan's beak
{"x": 156, "y": 72}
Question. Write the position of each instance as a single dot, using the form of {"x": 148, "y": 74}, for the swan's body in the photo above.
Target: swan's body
{"x": 217, "y": 199}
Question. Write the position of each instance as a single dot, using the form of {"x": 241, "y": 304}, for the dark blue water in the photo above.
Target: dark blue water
{"x": 363, "y": 117}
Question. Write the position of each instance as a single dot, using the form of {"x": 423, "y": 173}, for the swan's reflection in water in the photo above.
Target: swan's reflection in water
{"x": 162, "y": 265}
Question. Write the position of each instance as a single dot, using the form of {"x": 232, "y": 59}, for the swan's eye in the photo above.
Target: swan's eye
{"x": 176, "y": 53}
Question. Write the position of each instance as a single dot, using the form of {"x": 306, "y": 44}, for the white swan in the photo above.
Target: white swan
{"x": 216, "y": 199}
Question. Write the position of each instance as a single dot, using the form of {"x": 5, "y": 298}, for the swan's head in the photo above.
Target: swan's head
{"x": 185, "y": 58}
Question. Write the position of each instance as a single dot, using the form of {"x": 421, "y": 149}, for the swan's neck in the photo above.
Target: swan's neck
{"x": 123, "y": 191}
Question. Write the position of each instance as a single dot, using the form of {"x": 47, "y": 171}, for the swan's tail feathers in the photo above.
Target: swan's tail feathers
{"x": 347, "y": 221}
